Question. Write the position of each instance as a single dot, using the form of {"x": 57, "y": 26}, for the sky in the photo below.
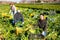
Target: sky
{"x": 12, "y": 0}
{"x": 16, "y": 0}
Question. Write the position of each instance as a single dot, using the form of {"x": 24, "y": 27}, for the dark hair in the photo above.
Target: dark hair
{"x": 42, "y": 14}
{"x": 11, "y": 4}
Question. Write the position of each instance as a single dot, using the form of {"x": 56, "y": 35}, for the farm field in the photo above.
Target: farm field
{"x": 46, "y": 6}
{"x": 31, "y": 15}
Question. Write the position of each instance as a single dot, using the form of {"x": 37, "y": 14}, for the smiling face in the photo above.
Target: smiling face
{"x": 42, "y": 17}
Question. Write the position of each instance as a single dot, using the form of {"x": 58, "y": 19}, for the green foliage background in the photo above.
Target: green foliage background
{"x": 30, "y": 19}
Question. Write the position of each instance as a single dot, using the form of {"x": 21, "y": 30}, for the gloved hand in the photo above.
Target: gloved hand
{"x": 44, "y": 33}
{"x": 22, "y": 23}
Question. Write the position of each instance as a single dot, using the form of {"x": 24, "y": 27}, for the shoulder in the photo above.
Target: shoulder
{"x": 39, "y": 20}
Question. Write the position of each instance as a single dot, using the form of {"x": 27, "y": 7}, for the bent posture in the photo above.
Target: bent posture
{"x": 17, "y": 16}
{"x": 42, "y": 23}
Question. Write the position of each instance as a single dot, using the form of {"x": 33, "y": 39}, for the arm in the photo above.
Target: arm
{"x": 22, "y": 17}
{"x": 9, "y": 11}
{"x": 45, "y": 26}
{"x": 39, "y": 24}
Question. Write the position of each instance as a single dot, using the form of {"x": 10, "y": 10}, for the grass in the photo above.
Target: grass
{"x": 41, "y": 6}
{"x": 30, "y": 19}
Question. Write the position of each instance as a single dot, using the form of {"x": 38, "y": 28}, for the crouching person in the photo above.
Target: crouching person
{"x": 12, "y": 9}
{"x": 42, "y": 23}
{"x": 18, "y": 17}
{"x": 12, "y": 12}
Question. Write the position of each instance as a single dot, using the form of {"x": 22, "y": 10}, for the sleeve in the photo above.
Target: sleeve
{"x": 45, "y": 25}
{"x": 9, "y": 11}
{"x": 39, "y": 23}
{"x": 22, "y": 18}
